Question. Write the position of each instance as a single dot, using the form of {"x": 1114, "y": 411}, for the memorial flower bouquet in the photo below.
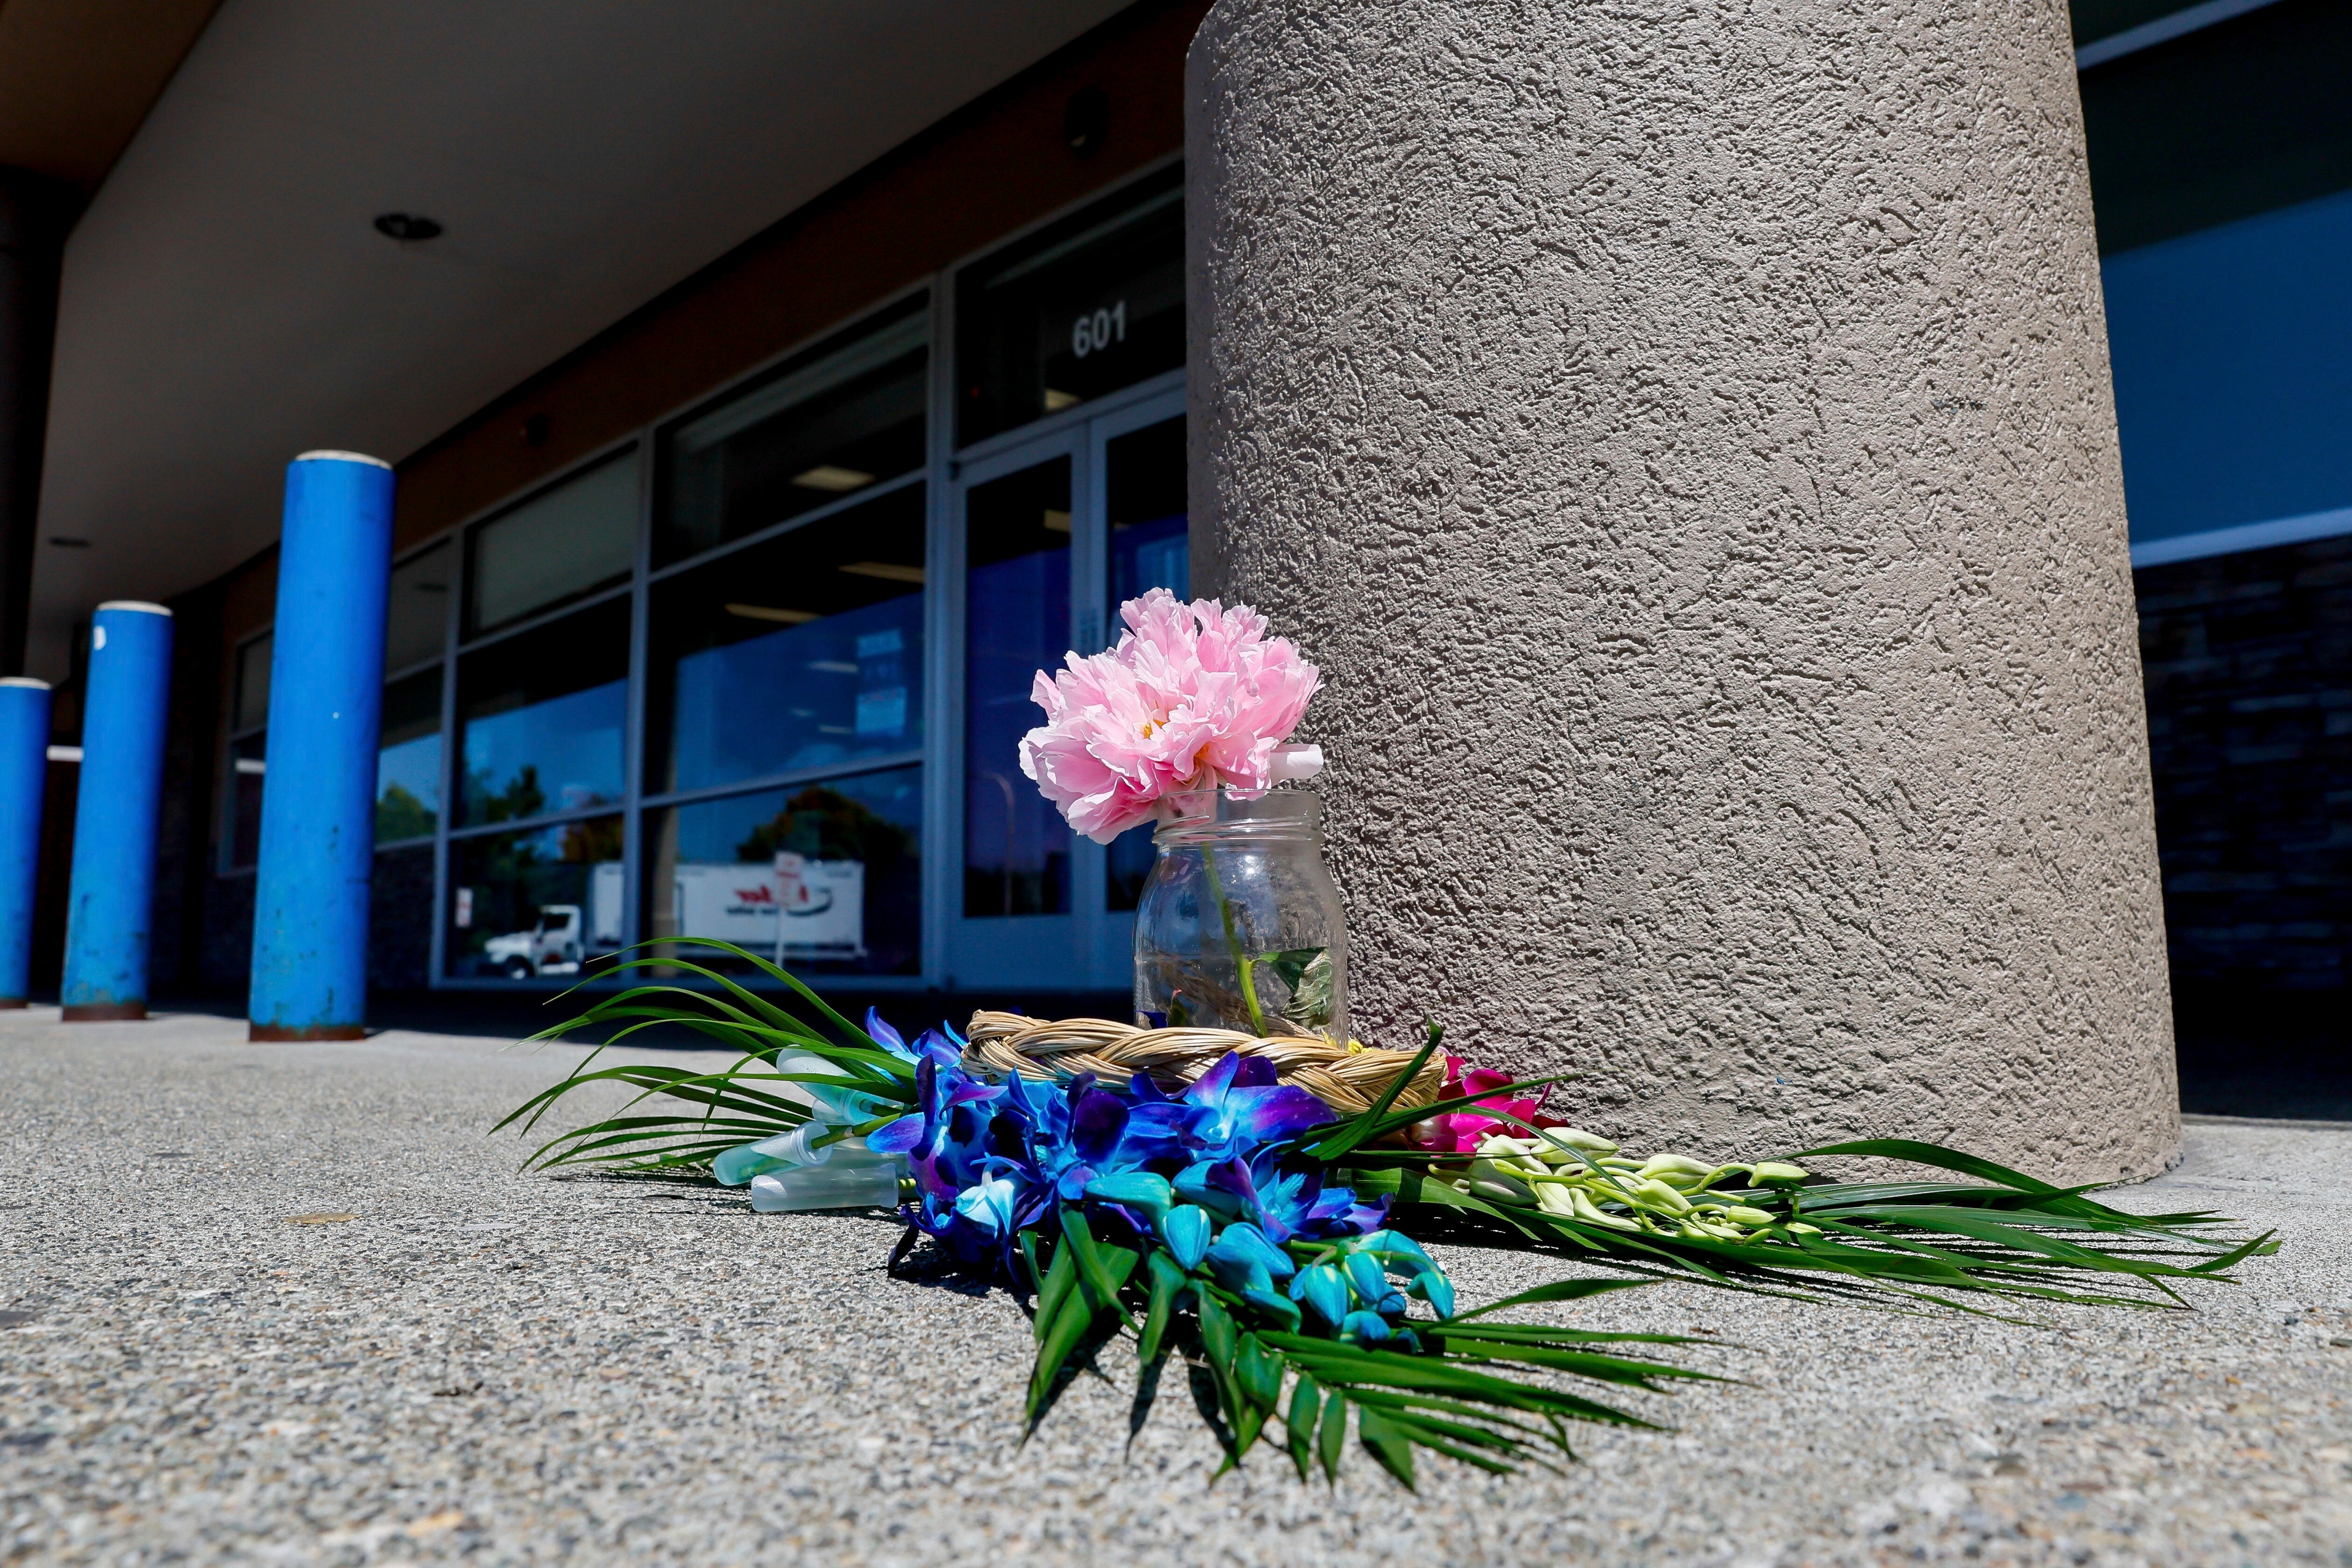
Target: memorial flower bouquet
{"x": 1206, "y": 1205}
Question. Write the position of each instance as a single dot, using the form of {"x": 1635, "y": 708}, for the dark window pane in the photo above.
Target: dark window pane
{"x": 573, "y": 540}
{"x": 1016, "y": 848}
{"x": 1150, "y": 548}
{"x": 1091, "y": 305}
{"x": 245, "y": 762}
{"x": 543, "y": 714}
{"x": 417, "y": 622}
{"x": 251, "y": 709}
{"x": 802, "y": 652}
{"x": 536, "y": 902}
{"x": 848, "y": 416}
{"x": 821, "y": 878}
{"x": 2233, "y": 119}
{"x": 408, "y": 758}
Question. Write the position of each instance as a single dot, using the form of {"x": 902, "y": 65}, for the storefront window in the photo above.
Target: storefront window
{"x": 409, "y": 759}
{"x": 543, "y": 714}
{"x": 804, "y": 651}
{"x": 1150, "y": 548}
{"x": 417, "y": 623}
{"x": 1089, "y": 306}
{"x": 248, "y": 713}
{"x": 569, "y": 542}
{"x": 820, "y": 879}
{"x": 1016, "y": 848}
{"x": 246, "y": 765}
{"x": 539, "y": 902}
{"x": 251, "y": 709}
{"x": 847, "y": 417}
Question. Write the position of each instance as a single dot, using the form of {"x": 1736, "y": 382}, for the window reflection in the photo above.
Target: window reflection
{"x": 246, "y": 759}
{"x": 571, "y": 541}
{"x": 409, "y": 759}
{"x": 416, "y": 622}
{"x": 544, "y": 715}
{"x": 850, "y": 415}
{"x": 251, "y": 709}
{"x": 805, "y": 651}
{"x": 1150, "y": 548}
{"x": 1016, "y": 847}
{"x": 539, "y": 902}
{"x": 1084, "y": 309}
{"x": 821, "y": 879}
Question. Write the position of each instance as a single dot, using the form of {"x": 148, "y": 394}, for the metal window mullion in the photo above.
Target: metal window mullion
{"x": 797, "y": 521}
{"x": 545, "y": 618}
{"x": 460, "y": 584}
{"x": 633, "y": 766}
{"x": 942, "y": 624}
{"x": 853, "y": 767}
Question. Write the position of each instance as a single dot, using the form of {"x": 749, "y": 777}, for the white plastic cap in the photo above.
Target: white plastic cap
{"x": 142, "y": 606}
{"x": 23, "y": 680}
{"x": 1294, "y": 762}
{"x": 324, "y": 456}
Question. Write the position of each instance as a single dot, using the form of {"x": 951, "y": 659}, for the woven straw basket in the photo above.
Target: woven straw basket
{"x": 1348, "y": 1079}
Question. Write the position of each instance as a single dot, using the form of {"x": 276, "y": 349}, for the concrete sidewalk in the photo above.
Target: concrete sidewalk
{"x": 508, "y": 1368}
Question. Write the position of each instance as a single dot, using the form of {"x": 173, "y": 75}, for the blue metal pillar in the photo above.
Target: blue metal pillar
{"x": 109, "y": 905}
{"x": 318, "y": 797}
{"x": 24, "y": 774}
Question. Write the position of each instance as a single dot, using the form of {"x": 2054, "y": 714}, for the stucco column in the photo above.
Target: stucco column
{"x": 1683, "y": 435}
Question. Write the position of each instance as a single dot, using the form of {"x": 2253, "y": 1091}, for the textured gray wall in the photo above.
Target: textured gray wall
{"x": 1683, "y": 434}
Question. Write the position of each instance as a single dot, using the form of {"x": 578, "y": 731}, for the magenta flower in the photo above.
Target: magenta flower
{"x": 1194, "y": 696}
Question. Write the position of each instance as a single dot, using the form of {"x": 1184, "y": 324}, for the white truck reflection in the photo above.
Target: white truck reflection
{"x": 566, "y": 935}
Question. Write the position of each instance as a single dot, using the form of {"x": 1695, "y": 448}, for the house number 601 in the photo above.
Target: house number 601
{"x": 1098, "y": 330}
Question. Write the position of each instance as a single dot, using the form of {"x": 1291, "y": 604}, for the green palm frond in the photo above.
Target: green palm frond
{"x": 741, "y": 1103}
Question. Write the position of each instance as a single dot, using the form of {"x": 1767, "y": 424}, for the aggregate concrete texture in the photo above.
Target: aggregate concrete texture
{"x": 1683, "y": 435}
{"x": 483, "y": 1365}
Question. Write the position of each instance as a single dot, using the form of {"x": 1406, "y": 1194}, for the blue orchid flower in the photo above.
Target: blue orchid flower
{"x": 1205, "y": 1186}
{"x": 1285, "y": 1197}
{"x": 945, "y": 1139}
{"x": 1146, "y": 1192}
{"x": 1244, "y": 1243}
{"x": 1265, "y": 1300}
{"x": 1431, "y": 1286}
{"x": 1324, "y": 1290}
{"x": 1371, "y": 1287}
{"x": 1186, "y": 1229}
{"x": 1365, "y": 1328}
{"x": 992, "y": 1203}
{"x": 1236, "y": 1107}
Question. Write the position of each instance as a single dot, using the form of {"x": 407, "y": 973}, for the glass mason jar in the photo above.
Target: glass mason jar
{"x": 1240, "y": 926}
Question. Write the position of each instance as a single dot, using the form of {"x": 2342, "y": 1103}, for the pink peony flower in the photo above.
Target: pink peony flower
{"x": 1194, "y": 696}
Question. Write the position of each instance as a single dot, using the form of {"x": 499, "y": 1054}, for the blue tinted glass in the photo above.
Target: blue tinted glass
{"x": 543, "y": 716}
{"x": 536, "y": 903}
{"x": 409, "y": 759}
{"x": 1016, "y": 848}
{"x": 802, "y": 652}
{"x": 2234, "y": 386}
{"x": 407, "y": 789}
{"x": 1150, "y": 548}
{"x": 1156, "y": 554}
{"x": 821, "y": 878}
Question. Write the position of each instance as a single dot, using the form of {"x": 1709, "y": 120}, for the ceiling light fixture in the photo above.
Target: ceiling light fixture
{"x": 888, "y": 571}
{"x": 406, "y": 226}
{"x": 825, "y": 476}
{"x": 768, "y": 613}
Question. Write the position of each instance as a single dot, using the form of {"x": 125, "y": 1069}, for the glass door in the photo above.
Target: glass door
{"x": 1013, "y": 911}
{"x": 1051, "y": 537}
